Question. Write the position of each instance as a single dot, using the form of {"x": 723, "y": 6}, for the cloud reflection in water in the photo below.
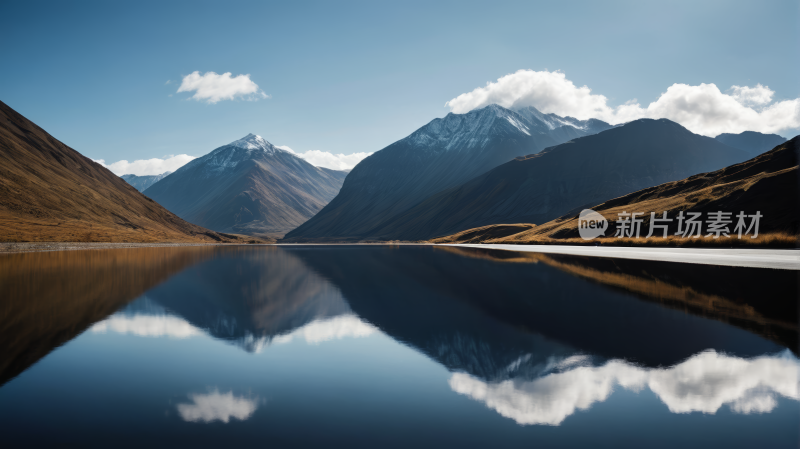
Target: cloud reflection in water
{"x": 216, "y": 406}
{"x": 335, "y": 328}
{"x": 147, "y": 326}
{"x": 702, "y": 383}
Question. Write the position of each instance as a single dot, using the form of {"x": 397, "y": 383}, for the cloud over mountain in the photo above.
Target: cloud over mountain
{"x": 212, "y": 88}
{"x": 703, "y": 109}
{"x": 145, "y": 167}
{"x": 329, "y": 160}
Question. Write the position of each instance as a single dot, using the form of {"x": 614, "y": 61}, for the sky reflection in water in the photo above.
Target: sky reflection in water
{"x": 361, "y": 343}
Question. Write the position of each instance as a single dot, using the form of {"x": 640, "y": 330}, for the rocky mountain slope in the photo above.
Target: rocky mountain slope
{"x": 570, "y": 176}
{"x": 50, "y": 192}
{"x": 249, "y": 187}
{"x": 442, "y": 154}
{"x": 142, "y": 183}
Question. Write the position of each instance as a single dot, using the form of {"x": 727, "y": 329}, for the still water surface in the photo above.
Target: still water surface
{"x": 377, "y": 346}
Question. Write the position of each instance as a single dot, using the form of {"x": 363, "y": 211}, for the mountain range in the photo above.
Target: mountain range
{"x": 442, "y": 154}
{"x": 50, "y": 192}
{"x": 751, "y": 142}
{"x": 142, "y": 183}
{"x": 540, "y": 187}
{"x": 767, "y": 184}
{"x": 249, "y": 187}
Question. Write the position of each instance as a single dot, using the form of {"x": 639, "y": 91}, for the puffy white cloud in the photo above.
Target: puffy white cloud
{"x": 330, "y": 160}
{"x": 143, "y": 167}
{"x": 212, "y": 88}
{"x": 216, "y": 406}
{"x": 335, "y": 328}
{"x": 147, "y": 326}
{"x": 703, "y": 383}
{"x": 703, "y": 109}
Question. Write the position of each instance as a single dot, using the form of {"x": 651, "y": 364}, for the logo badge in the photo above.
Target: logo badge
{"x": 591, "y": 224}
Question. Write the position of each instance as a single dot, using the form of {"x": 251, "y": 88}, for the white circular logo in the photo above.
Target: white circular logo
{"x": 591, "y": 224}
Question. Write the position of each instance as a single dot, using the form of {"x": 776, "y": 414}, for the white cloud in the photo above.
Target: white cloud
{"x": 212, "y": 88}
{"x": 147, "y": 326}
{"x": 215, "y": 406}
{"x": 703, "y": 109}
{"x": 329, "y": 160}
{"x": 703, "y": 383}
{"x": 143, "y": 167}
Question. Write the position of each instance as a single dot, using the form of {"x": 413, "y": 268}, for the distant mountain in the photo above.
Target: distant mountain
{"x": 442, "y": 154}
{"x": 50, "y": 192}
{"x": 766, "y": 184}
{"x": 752, "y": 142}
{"x": 143, "y": 182}
{"x": 570, "y": 176}
{"x": 249, "y": 187}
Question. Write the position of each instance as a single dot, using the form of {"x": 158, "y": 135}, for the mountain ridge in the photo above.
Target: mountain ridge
{"x": 143, "y": 182}
{"x": 439, "y": 155}
{"x": 543, "y": 186}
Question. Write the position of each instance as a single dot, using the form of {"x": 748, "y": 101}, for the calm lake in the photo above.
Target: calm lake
{"x": 381, "y": 346}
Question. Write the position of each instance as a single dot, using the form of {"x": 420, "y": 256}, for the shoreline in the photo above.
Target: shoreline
{"x": 37, "y": 247}
{"x": 782, "y": 259}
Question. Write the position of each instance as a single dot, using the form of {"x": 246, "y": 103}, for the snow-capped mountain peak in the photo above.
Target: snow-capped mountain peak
{"x": 255, "y": 142}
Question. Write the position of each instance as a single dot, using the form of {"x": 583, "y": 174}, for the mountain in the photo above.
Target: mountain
{"x": 442, "y": 154}
{"x": 142, "y": 183}
{"x": 50, "y": 192}
{"x": 751, "y": 142}
{"x": 248, "y": 186}
{"x": 767, "y": 184}
{"x": 567, "y": 177}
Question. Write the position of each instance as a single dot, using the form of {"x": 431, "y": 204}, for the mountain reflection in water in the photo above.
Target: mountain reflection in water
{"x": 534, "y": 338}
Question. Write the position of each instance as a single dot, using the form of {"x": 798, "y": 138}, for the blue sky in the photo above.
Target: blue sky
{"x": 349, "y": 77}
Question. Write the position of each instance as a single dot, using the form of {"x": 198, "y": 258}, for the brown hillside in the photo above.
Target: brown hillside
{"x": 767, "y": 183}
{"x": 50, "y": 192}
{"x": 478, "y": 235}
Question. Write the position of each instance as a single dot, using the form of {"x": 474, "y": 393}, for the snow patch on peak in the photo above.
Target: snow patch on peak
{"x": 253, "y": 142}
{"x": 472, "y": 129}
{"x": 552, "y": 121}
{"x": 514, "y": 122}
